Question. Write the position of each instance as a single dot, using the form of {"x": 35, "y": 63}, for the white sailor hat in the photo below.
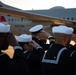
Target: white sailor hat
{"x": 4, "y": 28}
{"x": 62, "y": 29}
{"x": 24, "y": 38}
{"x": 36, "y": 28}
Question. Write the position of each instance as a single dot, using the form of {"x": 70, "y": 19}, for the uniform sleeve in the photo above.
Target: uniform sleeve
{"x": 19, "y": 58}
{"x": 39, "y": 51}
{"x": 18, "y": 52}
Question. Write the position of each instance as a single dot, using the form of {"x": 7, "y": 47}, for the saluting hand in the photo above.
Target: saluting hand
{"x": 34, "y": 44}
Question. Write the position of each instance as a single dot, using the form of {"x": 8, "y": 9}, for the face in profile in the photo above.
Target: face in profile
{"x": 28, "y": 47}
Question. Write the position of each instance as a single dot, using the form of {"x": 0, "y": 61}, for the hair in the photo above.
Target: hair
{"x": 34, "y": 33}
{"x": 3, "y": 41}
{"x": 63, "y": 39}
{"x": 23, "y": 43}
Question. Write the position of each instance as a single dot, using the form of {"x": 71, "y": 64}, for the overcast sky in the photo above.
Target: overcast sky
{"x": 40, "y": 4}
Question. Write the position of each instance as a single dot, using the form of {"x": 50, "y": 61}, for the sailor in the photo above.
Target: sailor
{"x": 38, "y": 33}
{"x": 16, "y": 65}
{"x": 33, "y": 53}
{"x": 58, "y": 60}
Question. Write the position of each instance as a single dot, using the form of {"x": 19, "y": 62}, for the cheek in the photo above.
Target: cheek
{"x": 40, "y": 35}
{"x": 27, "y": 47}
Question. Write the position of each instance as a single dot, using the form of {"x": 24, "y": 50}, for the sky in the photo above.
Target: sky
{"x": 40, "y": 4}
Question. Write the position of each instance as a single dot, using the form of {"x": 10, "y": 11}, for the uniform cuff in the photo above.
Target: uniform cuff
{"x": 17, "y": 47}
{"x": 50, "y": 37}
{"x": 38, "y": 47}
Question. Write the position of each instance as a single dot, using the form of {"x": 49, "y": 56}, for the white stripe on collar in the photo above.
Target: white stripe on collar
{"x": 53, "y": 61}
